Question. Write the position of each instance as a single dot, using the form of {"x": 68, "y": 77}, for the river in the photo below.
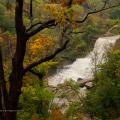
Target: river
{"x": 83, "y": 67}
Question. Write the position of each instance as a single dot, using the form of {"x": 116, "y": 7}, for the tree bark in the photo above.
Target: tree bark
{"x": 15, "y": 78}
{"x": 16, "y": 75}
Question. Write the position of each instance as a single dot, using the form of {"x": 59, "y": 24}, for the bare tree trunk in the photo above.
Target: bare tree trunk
{"x": 17, "y": 73}
{"x": 16, "y": 76}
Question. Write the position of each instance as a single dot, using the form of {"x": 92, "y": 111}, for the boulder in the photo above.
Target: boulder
{"x": 79, "y": 79}
{"x": 83, "y": 83}
{"x": 89, "y": 85}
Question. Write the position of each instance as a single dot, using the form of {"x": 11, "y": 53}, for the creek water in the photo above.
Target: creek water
{"x": 83, "y": 67}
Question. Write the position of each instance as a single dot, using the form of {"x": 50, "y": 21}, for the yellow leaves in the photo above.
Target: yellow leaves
{"x": 35, "y": 46}
{"x": 57, "y": 11}
{"x": 41, "y": 45}
{"x": 51, "y": 63}
{"x": 1, "y": 39}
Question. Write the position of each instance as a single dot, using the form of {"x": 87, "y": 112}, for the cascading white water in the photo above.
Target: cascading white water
{"x": 82, "y": 67}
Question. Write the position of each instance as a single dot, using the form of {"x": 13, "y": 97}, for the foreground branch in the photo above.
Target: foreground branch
{"x": 31, "y": 11}
{"x": 36, "y": 73}
{"x": 33, "y": 25}
{"x": 34, "y": 64}
{"x": 30, "y": 32}
{"x": 35, "y": 28}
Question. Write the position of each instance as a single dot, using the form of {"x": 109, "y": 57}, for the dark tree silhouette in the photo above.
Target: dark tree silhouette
{"x": 9, "y": 98}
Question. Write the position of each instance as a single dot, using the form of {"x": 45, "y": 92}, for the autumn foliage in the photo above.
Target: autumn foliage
{"x": 56, "y": 114}
{"x": 40, "y": 45}
{"x": 64, "y": 2}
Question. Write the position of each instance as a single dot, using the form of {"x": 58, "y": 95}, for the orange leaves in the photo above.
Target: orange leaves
{"x": 6, "y": 38}
{"x": 56, "y": 11}
{"x": 59, "y": 9}
{"x": 79, "y": 1}
{"x": 34, "y": 118}
{"x": 56, "y": 114}
{"x": 1, "y": 39}
{"x": 41, "y": 45}
{"x": 64, "y": 2}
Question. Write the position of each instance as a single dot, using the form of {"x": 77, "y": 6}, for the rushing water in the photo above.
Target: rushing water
{"x": 83, "y": 67}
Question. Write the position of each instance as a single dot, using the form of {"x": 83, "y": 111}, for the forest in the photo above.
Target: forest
{"x": 59, "y": 59}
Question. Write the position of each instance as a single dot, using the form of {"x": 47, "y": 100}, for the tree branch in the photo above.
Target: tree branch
{"x": 51, "y": 23}
{"x": 97, "y": 11}
{"x": 44, "y": 25}
{"x": 65, "y": 37}
{"x": 69, "y": 3}
{"x": 36, "y": 73}
{"x": 19, "y": 24}
{"x": 47, "y": 24}
{"x": 33, "y": 25}
{"x": 57, "y": 51}
{"x": 31, "y": 11}
{"x": 78, "y": 32}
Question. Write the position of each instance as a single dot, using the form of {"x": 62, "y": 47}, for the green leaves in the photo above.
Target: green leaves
{"x": 35, "y": 102}
{"x": 115, "y": 13}
{"x": 103, "y": 101}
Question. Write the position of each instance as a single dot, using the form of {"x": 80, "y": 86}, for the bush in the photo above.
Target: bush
{"x": 103, "y": 101}
{"x": 35, "y": 102}
{"x": 115, "y": 13}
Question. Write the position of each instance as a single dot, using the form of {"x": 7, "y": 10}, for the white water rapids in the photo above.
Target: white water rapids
{"x": 83, "y": 67}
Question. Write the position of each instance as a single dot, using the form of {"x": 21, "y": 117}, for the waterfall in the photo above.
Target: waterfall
{"x": 83, "y": 67}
